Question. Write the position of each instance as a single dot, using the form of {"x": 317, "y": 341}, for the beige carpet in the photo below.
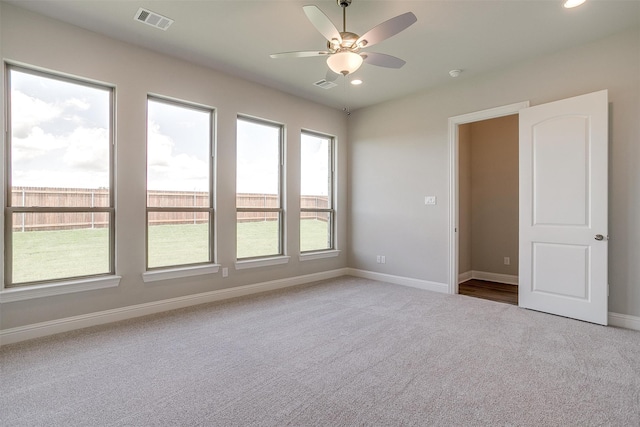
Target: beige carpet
{"x": 347, "y": 351}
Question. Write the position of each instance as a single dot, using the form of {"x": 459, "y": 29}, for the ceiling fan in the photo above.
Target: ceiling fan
{"x": 345, "y": 50}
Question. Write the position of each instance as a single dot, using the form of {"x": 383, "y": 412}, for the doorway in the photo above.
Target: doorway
{"x": 484, "y": 219}
{"x": 488, "y": 208}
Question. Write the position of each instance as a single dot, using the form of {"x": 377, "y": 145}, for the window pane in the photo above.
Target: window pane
{"x": 49, "y": 246}
{"x": 259, "y": 233}
{"x": 178, "y": 153}
{"x": 178, "y": 176}
{"x": 258, "y": 236}
{"x": 315, "y": 167}
{"x": 178, "y": 238}
{"x": 315, "y": 231}
{"x": 60, "y": 142}
{"x": 258, "y": 165}
{"x": 316, "y": 187}
{"x": 59, "y": 148}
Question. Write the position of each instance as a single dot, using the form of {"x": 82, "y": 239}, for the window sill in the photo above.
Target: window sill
{"x": 319, "y": 255}
{"x": 262, "y": 262}
{"x": 179, "y": 272}
{"x": 58, "y": 288}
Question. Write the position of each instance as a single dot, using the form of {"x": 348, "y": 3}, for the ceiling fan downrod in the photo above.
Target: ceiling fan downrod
{"x": 344, "y": 4}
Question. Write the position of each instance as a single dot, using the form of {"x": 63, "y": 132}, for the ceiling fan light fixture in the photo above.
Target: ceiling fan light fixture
{"x": 344, "y": 62}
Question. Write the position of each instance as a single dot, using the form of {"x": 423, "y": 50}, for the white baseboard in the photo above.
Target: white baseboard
{"x": 624, "y": 321}
{"x": 37, "y": 330}
{"x": 463, "y": 277}
{"x": 491, "y": 277}
{"x": 400, "y": 280}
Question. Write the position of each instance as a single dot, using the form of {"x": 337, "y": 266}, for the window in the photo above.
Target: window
{"x": 259, "y": 189}
{"x": 59, "y": 176}
{"x": 179, "y": 184}
{"x": 316, "y": 192}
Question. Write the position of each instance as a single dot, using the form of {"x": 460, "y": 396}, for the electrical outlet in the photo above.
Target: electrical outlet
{"x": 507, "y": 260}
{"x": 378, "y": 259}
{"x": 225, "y": 272}
{"x": 430, "y": 200}
{"x": 383, "y": 259}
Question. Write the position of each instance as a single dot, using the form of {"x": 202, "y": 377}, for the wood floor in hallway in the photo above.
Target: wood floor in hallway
{"x": 493, "y": 291}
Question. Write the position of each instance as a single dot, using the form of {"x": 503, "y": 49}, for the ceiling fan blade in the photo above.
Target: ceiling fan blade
{"x": 387, "y": 29}
{"x": 301, "y": 54}
{"x": 322, "y": 23}
{"x": 382, "y": 60}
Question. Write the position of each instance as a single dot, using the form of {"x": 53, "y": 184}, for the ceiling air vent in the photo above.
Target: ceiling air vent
{"x": 151, "y": 18}
{"x": 324, "y": 84}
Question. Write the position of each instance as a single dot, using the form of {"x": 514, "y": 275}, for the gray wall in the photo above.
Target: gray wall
{"x": 33, "y": 39}
{"x": 398, "y": 153}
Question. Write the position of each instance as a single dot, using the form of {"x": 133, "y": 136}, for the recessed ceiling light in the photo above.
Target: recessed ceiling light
{"x": 455, "y": 73}
{"x": 568, "y": 4}
{"x": 356, "y": 82}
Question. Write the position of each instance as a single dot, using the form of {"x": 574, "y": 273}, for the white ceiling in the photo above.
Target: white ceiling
{"x": 237, "y": 36}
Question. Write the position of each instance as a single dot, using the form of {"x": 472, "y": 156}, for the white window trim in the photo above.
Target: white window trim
{"x": 180, "y": 272}
{"x": 262, "y": 262}
{"x": 58, "y": 288}
{"x": 309, "y": 256}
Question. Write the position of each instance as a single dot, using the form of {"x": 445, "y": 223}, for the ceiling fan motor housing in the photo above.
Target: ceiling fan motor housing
{"x": 348, "y": 42}
{"x": 344, "y": 3}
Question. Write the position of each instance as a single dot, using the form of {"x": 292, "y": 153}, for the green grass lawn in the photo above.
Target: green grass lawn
{"x": 49, "y": 255}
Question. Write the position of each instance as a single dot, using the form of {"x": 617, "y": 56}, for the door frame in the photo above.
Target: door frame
{"x": 454, "y": 214}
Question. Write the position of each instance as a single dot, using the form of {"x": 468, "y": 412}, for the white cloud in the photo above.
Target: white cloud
{"x": 257, "y": 175}
{"x": 88, "y": 148}
{"x": 28, "y": 112}
{"x": 77, "y": 103}
{"x": 159, "y": 147}
{"x": 35, "y": 144}
{"x": 82, "y": 160}
{"x": 170, "y": 171}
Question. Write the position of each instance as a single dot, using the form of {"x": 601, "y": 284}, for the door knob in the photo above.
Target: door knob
{"x": 599, "y": 237}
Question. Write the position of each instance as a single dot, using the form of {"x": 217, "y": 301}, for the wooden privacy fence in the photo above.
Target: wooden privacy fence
{"x": 83, "y": 198}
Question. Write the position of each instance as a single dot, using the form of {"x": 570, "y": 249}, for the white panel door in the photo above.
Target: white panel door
{"x": 563, "y": 207}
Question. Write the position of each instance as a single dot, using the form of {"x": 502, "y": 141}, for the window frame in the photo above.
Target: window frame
{"x": 281, "y": 198}
{"x": 210, "y": 209}
{"x": 330, "y": 196}
{"x": 9, "y": 210}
